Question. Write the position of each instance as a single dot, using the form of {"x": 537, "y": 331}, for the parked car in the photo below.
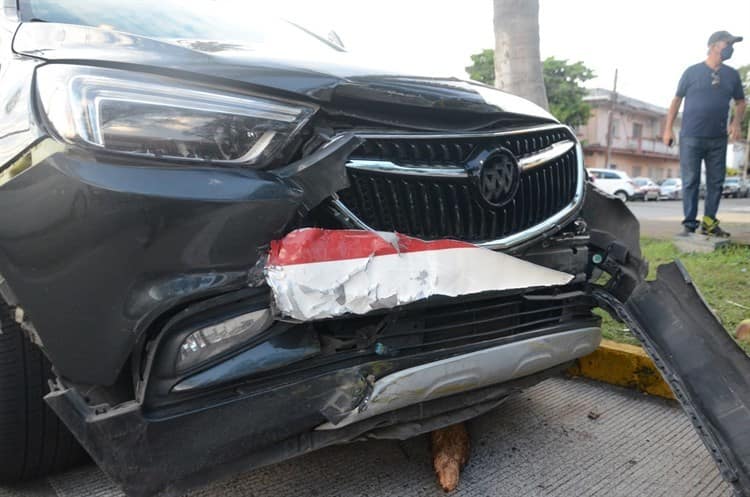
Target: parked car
{"x": 224, "y": 242}
{"x": 735, "y": 187}
{"x": 646, "y": 189}
{"x": 671, "y": 189}
{"x": 614, "y": 182}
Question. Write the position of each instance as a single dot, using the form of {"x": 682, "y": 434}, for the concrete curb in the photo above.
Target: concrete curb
{"x": 623, "y": 365}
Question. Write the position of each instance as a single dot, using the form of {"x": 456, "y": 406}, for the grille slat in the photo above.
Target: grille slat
{"x": 451, "y": 324}
{"x": 440, "y": 207}
{"x": 413, "y": 208}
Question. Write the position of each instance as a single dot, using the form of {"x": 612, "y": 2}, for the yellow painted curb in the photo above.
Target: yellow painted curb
{"x": 624, "y": 365}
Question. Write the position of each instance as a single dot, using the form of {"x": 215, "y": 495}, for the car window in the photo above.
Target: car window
{"x": 640, "y": 181}
{"x": 669, "y": 182}
{"x": 218, "y": 20}
{"x": 609, "y": 175}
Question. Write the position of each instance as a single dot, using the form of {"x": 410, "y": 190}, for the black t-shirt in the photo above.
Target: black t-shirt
{"x": 707, "y": 94}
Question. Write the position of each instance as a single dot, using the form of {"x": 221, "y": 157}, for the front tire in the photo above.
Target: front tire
{"x": 622, "y": 195}
{"x": 33, "y": 441}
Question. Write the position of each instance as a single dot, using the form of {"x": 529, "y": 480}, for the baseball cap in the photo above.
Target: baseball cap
{"x": 723, "y": 36}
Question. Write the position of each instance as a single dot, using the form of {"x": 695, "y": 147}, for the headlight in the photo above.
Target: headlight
{"x": 153, "y": 116}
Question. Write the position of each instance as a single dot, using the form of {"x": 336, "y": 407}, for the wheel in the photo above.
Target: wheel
{"x": 33, "y": 441}
{"x": 621, "y": 195}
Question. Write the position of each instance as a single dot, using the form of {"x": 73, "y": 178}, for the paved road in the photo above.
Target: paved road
{"x": 540, "y": 443}
{"x": 662, "y": 219}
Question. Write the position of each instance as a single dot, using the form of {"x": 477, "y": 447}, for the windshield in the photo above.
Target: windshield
{"x": 641, "y": 181}
{"x": 732, "y": 180}
{"x": 232, "y": 23}
{"x": 669, "y": 182}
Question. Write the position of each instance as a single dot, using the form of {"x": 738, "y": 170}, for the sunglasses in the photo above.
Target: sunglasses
{"x": 715, "y": 80}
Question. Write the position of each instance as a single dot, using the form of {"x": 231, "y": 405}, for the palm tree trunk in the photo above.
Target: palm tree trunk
{"x": 518, "y": 66}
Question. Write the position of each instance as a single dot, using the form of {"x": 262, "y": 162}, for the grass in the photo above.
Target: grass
{"x": 723, "y": 278}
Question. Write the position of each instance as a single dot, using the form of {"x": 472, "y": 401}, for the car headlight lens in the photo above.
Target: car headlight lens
{"x": 134, "y": 113}
{"x": 212, "y": 340}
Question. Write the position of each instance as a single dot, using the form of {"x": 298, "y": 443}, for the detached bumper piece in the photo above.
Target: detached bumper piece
{"x": 708, "y": 372}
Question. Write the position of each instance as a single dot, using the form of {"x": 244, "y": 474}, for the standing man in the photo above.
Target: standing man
{"x": 707, "y": 88}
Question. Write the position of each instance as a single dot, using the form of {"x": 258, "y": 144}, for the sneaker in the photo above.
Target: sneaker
{"x": 710, "y": 227}
{"x": 686, "y": 231}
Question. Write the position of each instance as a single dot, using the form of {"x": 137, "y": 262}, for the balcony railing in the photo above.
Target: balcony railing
{"x": 644, "y": 145}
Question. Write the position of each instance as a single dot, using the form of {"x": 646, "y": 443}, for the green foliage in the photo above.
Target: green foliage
{"x": 482, "y": 67}
{"x": 562, "y": 80}
{"x": 564, "y": 83}
{"x": 745, "y": 75}
{"x": 721, "y": 276}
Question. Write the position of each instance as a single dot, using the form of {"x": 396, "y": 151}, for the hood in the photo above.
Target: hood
{"x": 336, "y": 81}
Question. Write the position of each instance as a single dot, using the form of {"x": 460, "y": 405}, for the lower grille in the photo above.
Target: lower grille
{"x": 432, "y": 207}
{"x": 439, "y": 326}
{"x": 453, "y": 324}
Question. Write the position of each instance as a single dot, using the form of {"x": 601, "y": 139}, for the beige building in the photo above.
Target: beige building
{"x": 637, "y": 127}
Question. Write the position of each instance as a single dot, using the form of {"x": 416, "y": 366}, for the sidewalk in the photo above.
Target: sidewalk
{"x": 541, "y": 443}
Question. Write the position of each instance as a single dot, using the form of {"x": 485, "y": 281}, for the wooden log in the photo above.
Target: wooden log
{"x": 450, "y": 452}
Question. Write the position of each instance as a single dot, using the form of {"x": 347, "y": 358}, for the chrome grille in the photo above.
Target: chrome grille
{"x": 454, "y": 150}
{"x": 447, "y": 205}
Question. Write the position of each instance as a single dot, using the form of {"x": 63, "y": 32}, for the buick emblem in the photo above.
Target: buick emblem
{"x": 496, "y": 176}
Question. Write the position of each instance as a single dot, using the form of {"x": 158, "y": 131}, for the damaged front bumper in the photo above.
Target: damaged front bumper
{"x": 388, "y": 373}
{"x": 195, "y": 240}
{"x": 168, "y": 452}
{"x": 372, "y": 375}
{"x": 179, "y": 438}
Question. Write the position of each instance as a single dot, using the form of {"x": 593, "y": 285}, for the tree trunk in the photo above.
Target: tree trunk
{"x": 518, "y": 65}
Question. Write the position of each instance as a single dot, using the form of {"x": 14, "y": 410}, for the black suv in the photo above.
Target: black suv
{"x": 176, "y": 180}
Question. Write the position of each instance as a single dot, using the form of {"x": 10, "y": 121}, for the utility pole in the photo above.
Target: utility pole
{"x": 613, "y": 102}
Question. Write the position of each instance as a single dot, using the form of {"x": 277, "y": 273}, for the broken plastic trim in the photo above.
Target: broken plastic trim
{"x": 322, "y": 173}
{"x": 707, "y": 371}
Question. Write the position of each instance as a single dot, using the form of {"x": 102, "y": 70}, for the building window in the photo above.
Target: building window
{"x": 653, "y": 174}
{"x": 669, "y": 172}
{"x": 615, "y": 125}
{"x": 637, "y": 130}
{"x": 636, "y": 171}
